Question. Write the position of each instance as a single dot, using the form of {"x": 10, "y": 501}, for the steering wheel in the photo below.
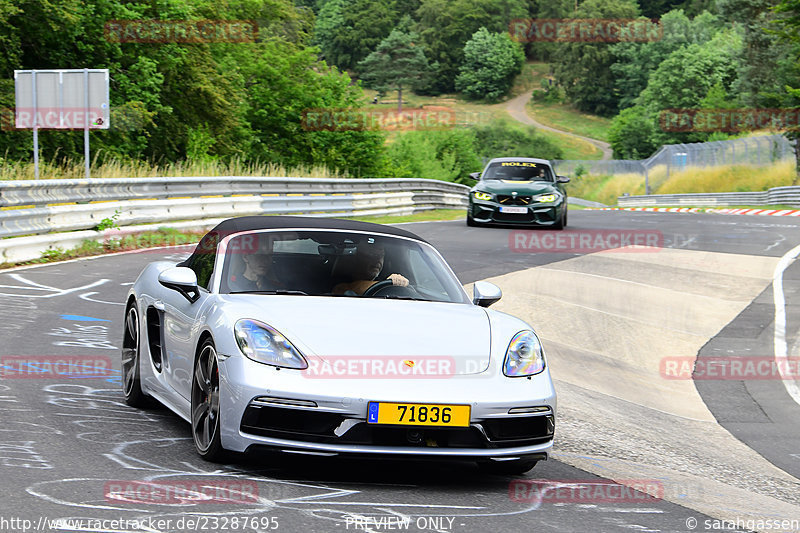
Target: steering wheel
{"x": 377, "y": 287}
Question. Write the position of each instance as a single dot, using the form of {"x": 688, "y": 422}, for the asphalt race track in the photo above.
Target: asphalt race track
{"x": 713, "y": 449}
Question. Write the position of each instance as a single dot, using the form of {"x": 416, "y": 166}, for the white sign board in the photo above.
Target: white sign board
{"x": 62, "y": 99}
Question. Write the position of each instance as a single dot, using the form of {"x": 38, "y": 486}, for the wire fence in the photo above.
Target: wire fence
{"x": 758, "y": 151}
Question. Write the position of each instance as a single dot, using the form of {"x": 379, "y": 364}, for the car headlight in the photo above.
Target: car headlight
{"x": 524, "y": 356}
{"x": 546, "y": 198}
{"x": 263, "y": 344}
{"x": 479, "y": 195}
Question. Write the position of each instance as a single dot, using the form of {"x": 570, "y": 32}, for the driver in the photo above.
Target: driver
{"x": 369, "y": 263}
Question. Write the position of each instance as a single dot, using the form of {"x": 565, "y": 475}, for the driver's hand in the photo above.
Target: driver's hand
{"x": 398, "y": 280}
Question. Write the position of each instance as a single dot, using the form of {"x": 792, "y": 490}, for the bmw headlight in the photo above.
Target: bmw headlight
{"x": 263, "y": 344}
{"x": 524, "y": 356}
{"x": 480, "y": 195}
{"x": 546, "y": 198}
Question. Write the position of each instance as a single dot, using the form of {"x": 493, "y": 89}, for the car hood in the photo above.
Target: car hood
{"x": 334, "y": 329}
{"x": 520, "y": 187}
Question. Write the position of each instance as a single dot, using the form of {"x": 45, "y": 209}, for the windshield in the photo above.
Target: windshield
{"x": 335, "y": 263}
{"x": 518, "y": 171}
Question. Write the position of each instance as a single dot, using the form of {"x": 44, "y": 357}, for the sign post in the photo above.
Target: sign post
{"x": 62, "y": 99}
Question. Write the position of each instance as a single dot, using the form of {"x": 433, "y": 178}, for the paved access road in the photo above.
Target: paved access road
{"x": 67, "y": 444}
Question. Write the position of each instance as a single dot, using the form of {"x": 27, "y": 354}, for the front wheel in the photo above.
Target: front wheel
{"x": 205, "y": 405}
{"x": 131, "y": 382}
{"x": 562, "y": 221}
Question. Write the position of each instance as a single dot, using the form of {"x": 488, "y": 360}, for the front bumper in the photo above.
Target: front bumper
{"x": 282, "y": 409}
{"x": 489, "y": 212}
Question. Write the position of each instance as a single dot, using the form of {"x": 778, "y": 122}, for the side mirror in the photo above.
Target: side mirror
{"x": 562, "y": 179}
{"x": 475, "y": 176}
{"x": 485, "y": 294}
{"x": 181, "y": 279}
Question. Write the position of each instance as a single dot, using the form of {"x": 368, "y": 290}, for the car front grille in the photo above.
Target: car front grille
{"x": 308, "y": 425}
{"x": 507, "y": 199}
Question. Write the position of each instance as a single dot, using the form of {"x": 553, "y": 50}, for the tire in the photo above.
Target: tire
{"x": 205, "y": 413}
{"x": 507, "y": 468}
{"x": 131, "y": 383}
{"x": 562, "y": 222}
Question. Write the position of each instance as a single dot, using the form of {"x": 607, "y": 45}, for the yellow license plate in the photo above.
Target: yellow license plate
{"x": 418, "y": 414}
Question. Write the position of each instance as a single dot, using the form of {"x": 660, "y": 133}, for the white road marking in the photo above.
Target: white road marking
{"x": 780, "y": 322}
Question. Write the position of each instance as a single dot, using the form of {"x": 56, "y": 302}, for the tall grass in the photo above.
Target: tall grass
{"x": 734, "y": 178}
{"x": 731, "y": 178}
{"x": 114, "y": 168}
{"x": 605, "y": 189}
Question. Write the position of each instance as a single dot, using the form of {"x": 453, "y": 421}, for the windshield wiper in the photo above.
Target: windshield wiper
{"x": 396, "y": 297}
{"x": 278, "y": 291}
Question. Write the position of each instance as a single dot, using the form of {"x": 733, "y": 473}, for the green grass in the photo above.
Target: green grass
{"x": 573, "y": 148}
{"x": 435, "y": 215}
{"x": 113, "y": 168}
{"x": 567, "y": 118}
{"x": 530, "y": 79}
{"x": 738, "y": 178}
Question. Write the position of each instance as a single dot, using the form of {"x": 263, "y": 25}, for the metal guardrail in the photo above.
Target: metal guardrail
{"x": 46, "y": 206}
{"x": 789, "y": 195}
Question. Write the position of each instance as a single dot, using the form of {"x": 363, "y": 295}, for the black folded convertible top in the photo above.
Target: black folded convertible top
{"x": 235, "y": 225}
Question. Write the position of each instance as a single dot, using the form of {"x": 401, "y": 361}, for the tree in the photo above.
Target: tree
{"x": 632, "y": 134}
{"x": 348, "y": 30}
{"x": 634, "y": 62}
{"x": 502, "y": 139}
{"x": 398, "y": 62}
{"x": 788, "y": 23}
{"x": 445, "y": 26}
{"x": 491, "y": 61}
{"x": 584, "y": 69}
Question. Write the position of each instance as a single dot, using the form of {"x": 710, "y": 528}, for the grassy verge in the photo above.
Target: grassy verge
{"x": 573, "y": 148}
{"x": 17, "y": 170}
{"x": 170, "y": 237}
{"x": 567, "y": 118}
{"x": 738, "y": 178}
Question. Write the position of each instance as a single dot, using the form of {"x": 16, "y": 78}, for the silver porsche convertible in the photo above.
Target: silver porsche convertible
{"x": 324, "y": 337}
